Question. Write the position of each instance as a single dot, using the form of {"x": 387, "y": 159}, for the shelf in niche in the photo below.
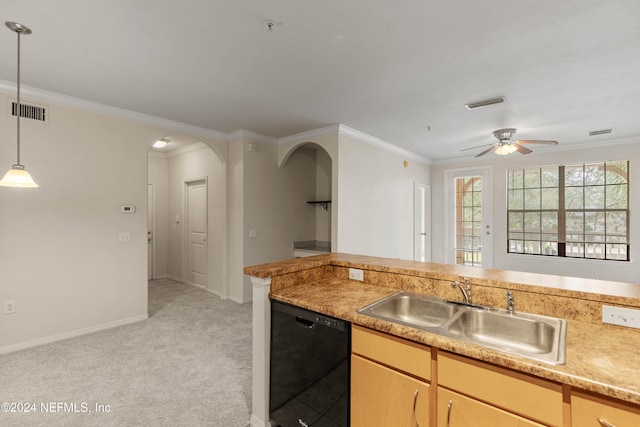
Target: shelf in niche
{"x": 324, "y": 204}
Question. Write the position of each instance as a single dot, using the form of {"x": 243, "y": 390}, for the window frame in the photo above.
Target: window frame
{"x": 558, "y": 247}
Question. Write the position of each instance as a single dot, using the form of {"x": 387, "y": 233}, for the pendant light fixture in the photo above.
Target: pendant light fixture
{"x": 18, "y": 176}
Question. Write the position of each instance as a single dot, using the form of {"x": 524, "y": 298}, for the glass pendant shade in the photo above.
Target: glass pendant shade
{"x": 17, "y": 176}
{"x": 505, "y": 149}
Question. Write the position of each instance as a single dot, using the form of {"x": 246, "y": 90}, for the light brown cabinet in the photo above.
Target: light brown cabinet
{"x": 456, "y": 410}
{"x": 389, "y": 380}
{"x": 392, "y": 384}
{"x": 526, "y": 396}
{"x": 588, "y": 410}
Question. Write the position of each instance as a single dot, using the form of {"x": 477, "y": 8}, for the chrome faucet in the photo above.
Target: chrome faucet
{"x": 465, "y": 288}
{"x": 509, "y": 302}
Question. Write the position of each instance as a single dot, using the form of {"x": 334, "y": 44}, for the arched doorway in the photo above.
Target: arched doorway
{"x": 187, "y": 213}
{"x": 320, "y": 200}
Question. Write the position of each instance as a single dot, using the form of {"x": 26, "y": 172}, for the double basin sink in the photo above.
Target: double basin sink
{"x": 536, "y": 337}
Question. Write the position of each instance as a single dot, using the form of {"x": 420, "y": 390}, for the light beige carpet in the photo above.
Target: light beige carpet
{"x": 189, "y": 364}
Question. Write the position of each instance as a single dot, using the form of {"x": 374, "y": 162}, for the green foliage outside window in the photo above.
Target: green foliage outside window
{"x": 579, "y": 210}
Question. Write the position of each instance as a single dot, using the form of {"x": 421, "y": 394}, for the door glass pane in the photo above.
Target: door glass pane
{"x": 468, "y": 250}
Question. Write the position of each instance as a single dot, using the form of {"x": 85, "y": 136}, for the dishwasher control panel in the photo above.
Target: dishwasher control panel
{"x": 330, "y": 322}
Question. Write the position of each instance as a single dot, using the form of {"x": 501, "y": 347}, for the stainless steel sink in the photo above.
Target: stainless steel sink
{"x": 412, "y": 309}
{"x": 537, "y": 337}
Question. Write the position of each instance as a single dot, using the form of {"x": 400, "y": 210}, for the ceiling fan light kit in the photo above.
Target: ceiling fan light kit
{"x": 505, "y": 149}
{"x": 505, "y": 146}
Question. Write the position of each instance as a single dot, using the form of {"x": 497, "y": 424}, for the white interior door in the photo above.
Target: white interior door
{"x": 468, "y": 217}
{"x": 150, "y": 226}
{"x": 196, "y": 227}
{"x": 422, "y": 222}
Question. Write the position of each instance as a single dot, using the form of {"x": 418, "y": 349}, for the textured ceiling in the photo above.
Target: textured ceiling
{"x": 389, "y": 69}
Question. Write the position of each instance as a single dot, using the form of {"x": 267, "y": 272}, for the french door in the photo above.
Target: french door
{"x": 468, "y": 217}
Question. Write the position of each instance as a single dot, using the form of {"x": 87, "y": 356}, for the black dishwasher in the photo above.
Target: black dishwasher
{"x": 309, "y": 369}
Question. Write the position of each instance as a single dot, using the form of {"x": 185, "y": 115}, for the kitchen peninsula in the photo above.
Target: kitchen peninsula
{"x": 602, "y": 361}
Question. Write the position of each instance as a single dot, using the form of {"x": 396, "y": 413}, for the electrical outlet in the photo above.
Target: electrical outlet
{"x": 9, "y": 307}
{"x": 621, "y": 316}
{"x": 252, "y": 233}
{"x": 356, "y": 274}
{"x": 124, "y": 237}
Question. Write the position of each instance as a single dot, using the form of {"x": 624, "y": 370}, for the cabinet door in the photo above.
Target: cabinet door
{"x": 592, "y": 411}
{"x": 455, "y": 410}
{"x": 403, "y": 355}
{"x": 382, "y": 397}
{"x": 530, "y": 397}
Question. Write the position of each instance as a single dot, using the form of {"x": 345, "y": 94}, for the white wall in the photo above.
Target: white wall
{"x": 275, "y": 202}
{"x": 194, "y": 162}
{"x": 239, "y": 290}
{"x": 60, "y": 259}
{"x": 158, "y": 175}
{"x": 323, "y": 192}
{"x": 608, "y": 270}
{"x": 376, "y": 194}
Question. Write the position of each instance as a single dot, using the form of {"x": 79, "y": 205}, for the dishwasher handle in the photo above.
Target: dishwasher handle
{"x": 308, "y": 319}
{"x": 304, "y": 323}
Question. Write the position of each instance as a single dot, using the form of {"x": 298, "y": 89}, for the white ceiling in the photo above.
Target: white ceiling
{"x": 386, "y": 68}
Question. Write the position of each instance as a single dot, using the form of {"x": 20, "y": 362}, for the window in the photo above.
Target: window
{"x": 468, "y": 221}
{"x": 577, "y": 211}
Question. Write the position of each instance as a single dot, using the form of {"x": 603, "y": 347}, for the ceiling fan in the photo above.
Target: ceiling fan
{"x": 505, "y": 146}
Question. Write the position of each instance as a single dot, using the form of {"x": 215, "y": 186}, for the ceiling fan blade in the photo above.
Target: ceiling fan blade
{"x": 488, "y": 150}
{"x": 537, "y": 141}
{"x": 521, "y": 148}
{"x": 477, "y": 146}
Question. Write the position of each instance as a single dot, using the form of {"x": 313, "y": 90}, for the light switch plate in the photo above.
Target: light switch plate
{"x": 621, "y": 316}
{"x": 356, "y": 274}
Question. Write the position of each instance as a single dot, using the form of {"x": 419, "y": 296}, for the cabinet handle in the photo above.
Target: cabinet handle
{"x": 605, "y": 423}
{"x": 449, "y": 407}
{"x": 415, "y": 401}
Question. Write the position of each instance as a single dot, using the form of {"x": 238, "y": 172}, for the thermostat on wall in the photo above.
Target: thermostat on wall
{"x": 128, "y": 209}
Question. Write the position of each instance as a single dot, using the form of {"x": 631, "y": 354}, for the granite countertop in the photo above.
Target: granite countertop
{"x": 600, "y": 358}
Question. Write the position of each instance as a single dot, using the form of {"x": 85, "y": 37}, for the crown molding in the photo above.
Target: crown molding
{"x": 107, "y": 110}
{"x": 380, "y": 143}
{"x": 247, "y": 135}
{"x": 305, "y": 136}
{"x": 120, "y": 113}
{"x": 343, "y": 130}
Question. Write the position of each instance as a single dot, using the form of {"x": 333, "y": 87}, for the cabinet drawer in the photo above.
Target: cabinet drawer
{"x": 466, "y": 412}
{"x": 528, "y": 396}
{"x": 382, "y": 397}
{"x": 586, "y": 409}
{"x": 403, "y": 355}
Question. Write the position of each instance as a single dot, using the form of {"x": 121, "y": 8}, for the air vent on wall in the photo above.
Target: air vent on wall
{"x": 30, "y": 111}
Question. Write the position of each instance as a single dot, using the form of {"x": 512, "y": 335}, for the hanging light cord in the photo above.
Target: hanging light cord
{"x": 18, "y": 112}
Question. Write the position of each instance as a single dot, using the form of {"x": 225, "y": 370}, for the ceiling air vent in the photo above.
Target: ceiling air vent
{"x": 484, "y": 103}
{"x": 600, "y": 132}
{"x": 30, "y": 111}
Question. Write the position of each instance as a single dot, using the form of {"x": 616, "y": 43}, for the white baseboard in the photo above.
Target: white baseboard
{"x": 257, "y": 422}
{"x": 235, "y": 299}
{"x": 71, "y": 334}
{"x": 216, "y": 293}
